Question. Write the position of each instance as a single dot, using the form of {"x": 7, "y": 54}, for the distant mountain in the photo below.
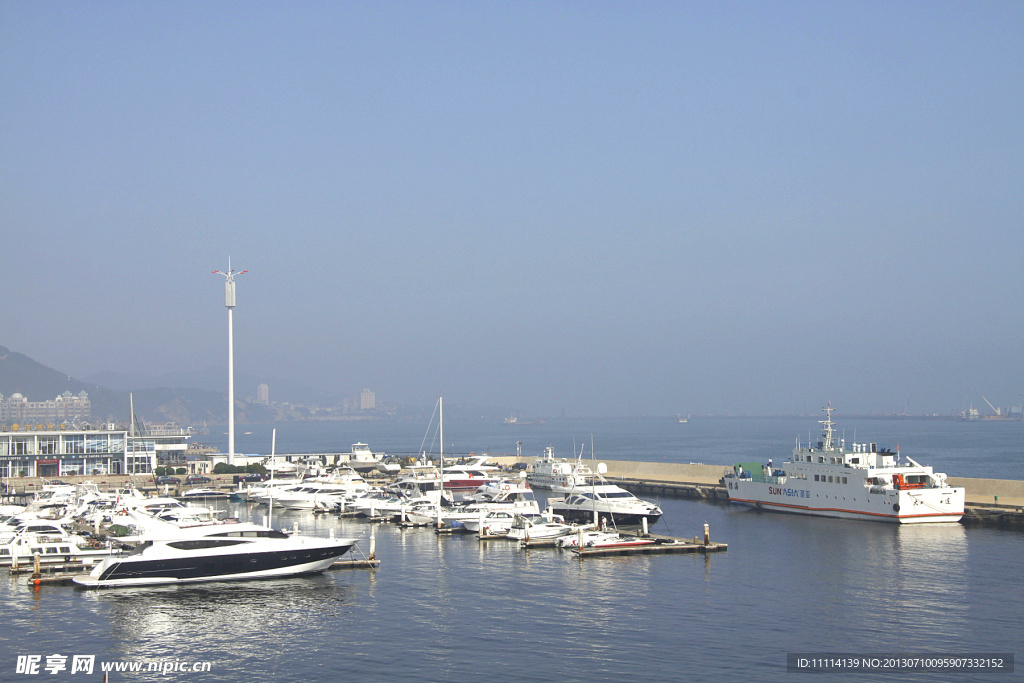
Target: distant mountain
{"x": 183, "y": 405}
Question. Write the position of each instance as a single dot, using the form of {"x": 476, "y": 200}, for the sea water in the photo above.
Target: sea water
{"x": 445, "y": 608}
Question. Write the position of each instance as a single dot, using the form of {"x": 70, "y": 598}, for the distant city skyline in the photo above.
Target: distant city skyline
{"x": 597, "y": 208}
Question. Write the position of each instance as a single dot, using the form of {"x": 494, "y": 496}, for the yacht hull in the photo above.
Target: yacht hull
{"x": 140, "y": 571}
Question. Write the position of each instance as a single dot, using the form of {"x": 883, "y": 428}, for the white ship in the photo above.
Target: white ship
{"x": 558, "y": 474}
{"x": 862, "y": 482}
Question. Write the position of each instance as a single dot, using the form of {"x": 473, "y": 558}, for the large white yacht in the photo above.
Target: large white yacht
{"x": 215, "y": 552}
{"x": 860, "y": 482}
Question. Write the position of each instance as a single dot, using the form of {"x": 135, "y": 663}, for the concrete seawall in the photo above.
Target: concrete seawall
{"x": 996, "y": 502}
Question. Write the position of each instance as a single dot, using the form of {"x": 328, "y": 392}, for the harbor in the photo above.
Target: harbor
{"x": 471, "y": 593}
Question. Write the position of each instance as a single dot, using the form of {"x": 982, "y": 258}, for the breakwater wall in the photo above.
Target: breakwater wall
{"x": 989, "y": 502}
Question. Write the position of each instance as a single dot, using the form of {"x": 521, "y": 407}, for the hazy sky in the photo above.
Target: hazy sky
{"x": 602, "y": 207}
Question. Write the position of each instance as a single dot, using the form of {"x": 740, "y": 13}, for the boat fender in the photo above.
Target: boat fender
{"x": 895, "y": 507}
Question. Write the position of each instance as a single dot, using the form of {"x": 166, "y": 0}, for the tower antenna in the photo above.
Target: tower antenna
{"x": 229, "y": 302}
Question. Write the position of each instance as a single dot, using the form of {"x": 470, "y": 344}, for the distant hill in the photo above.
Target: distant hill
{"x": 183, "y": 405}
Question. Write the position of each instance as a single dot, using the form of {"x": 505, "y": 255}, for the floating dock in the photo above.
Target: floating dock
{"x": 664, "y": 546}
{"x": 366, "y": 563}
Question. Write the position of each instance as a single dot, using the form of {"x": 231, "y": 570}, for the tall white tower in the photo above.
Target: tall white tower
{"x": 229, "y": 302}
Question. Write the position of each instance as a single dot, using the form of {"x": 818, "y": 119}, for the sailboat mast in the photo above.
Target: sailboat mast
{"x": 440, "y": 422}
{"x": 273, "y": 466}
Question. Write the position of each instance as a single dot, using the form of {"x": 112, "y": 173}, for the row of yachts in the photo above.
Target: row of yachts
{"x": 148, "y": 540}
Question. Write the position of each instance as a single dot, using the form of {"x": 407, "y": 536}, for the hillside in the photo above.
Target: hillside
{"x": 185, "y": 406}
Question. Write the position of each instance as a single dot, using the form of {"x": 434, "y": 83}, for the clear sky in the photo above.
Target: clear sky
{"x": 602, "y": 207}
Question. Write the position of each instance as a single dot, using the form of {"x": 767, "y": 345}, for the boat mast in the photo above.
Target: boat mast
{"x": 273, "y": 466}
{"x": 440, "y": 422}
{"x": 827, "y": 422}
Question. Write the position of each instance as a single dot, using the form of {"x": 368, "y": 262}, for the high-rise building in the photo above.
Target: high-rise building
{"x": 263, "y": 394}
{"x": 66, "y": 408}
{"x": 367, "y": 400}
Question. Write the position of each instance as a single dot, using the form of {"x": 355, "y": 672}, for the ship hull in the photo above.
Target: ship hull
{"x": 895, "y": 507}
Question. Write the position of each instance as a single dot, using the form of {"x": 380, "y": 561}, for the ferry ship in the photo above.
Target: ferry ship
{"x": 558, "y": 474}
{"x": 862, "y": 482}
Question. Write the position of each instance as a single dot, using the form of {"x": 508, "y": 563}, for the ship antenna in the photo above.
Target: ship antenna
{"x": 827, "y": 434}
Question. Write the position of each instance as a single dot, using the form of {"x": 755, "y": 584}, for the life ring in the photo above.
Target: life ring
{"x": 507, "y": 487}
{"x": 96, "y": 545}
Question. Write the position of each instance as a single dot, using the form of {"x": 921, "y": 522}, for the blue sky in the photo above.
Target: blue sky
{"x": 606, "y": 208}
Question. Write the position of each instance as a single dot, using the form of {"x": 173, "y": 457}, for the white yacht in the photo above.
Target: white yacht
{"x": 362, "y": 459}
{"x": 606, "y": 503}
{"x": 215, "y": 552}
{"x": 323, "y": 493}
{"x": 829, "y": 479}
{"x": 544, "y": 526}
{"x": 51, "y": 542}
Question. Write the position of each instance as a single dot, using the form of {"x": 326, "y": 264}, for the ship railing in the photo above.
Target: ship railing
{"x": 763, "y": 478}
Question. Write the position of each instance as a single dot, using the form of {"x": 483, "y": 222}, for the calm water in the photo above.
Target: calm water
{"x": 453, "y": 608}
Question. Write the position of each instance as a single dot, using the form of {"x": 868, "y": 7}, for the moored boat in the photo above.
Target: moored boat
{"x": 215, "y": 552}
{"x": 862, "y": 481}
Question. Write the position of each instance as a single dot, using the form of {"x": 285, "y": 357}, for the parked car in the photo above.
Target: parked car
{"x": 197, "y": 479}
{"x": 249, "y": 478}
{"x": 164, "y": 479}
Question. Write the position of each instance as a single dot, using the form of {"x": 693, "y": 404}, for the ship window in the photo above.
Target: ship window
{"x": 51, "y": 551}
{"x": 821, "y": 458}
{"x": 830, "y": 479}
{"x": 203, "y": 543}
{"x": 65, "y": 549}
{"x": 815, "y": 477}
{"x": 5, "y": 551}
{"x": 844, "y": 480}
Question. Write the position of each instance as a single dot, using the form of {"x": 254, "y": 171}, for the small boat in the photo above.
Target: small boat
{"x": 602, "y": 539}
{"x": 215, "y": 552}
{"x": 544, "y": 526}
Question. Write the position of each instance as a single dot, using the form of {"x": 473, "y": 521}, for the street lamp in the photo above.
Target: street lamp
{"x": 229, "y": 302}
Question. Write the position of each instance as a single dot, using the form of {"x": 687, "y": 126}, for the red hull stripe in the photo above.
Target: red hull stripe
{"x": 852, "y": 512}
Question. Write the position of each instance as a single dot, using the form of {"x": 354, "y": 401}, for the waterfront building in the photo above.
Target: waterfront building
{"x": 56, "y": 452}
{"x": 68, "y": 407}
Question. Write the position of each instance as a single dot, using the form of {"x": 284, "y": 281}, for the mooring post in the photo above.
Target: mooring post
{"x": 707, "y": 534}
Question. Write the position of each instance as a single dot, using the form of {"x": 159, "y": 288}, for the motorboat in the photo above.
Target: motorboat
{"x": 544, "y": 526}
{"x": 376, "y": 503}
{"x": 508, "y": 495}
{"x": 464, "y": 477}
{"x": 362, "y": 459}
{"x": 216, "y": 552}
{"x": 51, "y": 542}
{"x": 857, "y": 481}
{"x": 493, "y": 523}
{"x": 322, "y": 493}
{"x": 605, "y": 503}
{"x": 602, "y": 539}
